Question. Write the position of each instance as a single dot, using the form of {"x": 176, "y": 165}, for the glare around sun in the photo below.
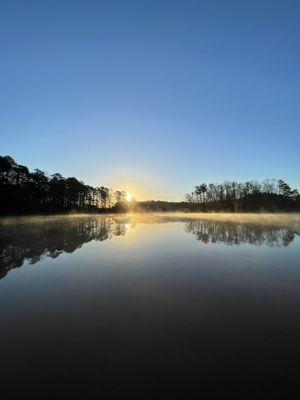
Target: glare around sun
{"x": 128, "y": 196}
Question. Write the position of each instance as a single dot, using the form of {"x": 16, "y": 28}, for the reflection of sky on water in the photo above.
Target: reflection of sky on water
{"x": 120, "y": 297}
{"x": 54, "y": 236}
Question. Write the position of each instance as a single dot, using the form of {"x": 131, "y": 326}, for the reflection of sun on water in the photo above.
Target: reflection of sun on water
{"x": 128, "y": 196}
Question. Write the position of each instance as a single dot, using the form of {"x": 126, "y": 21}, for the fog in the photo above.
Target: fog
{"x": 282, "y": 219}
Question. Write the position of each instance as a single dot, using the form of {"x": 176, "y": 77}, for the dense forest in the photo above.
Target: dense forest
{"x": 25, "y": 192}
{"x": 269, "y": 195}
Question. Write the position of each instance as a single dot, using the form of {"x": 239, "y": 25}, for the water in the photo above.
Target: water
{"x": 168, "y": 302}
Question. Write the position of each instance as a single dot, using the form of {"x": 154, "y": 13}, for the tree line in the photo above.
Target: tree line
{"x": 270, "y": 195}
{"x": 25, "y": 192}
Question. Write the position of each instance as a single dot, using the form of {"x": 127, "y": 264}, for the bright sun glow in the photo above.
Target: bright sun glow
{"x": 128, "y": 196}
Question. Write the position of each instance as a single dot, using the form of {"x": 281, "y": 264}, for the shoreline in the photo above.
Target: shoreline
{"x": 152, "y": 217}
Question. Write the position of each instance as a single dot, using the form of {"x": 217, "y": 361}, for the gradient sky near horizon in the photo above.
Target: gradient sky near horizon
{"x": 152, "y": 96}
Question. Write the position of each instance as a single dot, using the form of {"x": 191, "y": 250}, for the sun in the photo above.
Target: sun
{"x": 128, "y": 196}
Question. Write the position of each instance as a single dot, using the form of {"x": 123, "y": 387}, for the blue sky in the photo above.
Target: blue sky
{"x": 152, "y": 96}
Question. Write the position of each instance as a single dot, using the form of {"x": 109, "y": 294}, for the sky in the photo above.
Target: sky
{"x": 153, "y": 97}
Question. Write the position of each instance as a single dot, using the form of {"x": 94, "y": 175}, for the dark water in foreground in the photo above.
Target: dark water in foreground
{"x": 162, "y": 303}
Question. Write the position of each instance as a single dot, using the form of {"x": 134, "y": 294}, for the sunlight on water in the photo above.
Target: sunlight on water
{"x": 164, "y": 295}
{"x": 33, "y": 238}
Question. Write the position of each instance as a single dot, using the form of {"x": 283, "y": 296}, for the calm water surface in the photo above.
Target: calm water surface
{"x": 150, "y": 302}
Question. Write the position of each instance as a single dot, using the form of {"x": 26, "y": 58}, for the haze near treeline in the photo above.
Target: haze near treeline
{"x": 26, "y": 192}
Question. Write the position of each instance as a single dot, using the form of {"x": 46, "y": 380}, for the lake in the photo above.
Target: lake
{"x": 173, "y": 302}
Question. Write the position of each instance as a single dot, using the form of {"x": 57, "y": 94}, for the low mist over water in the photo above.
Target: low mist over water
{"x": 151, "y": 299}
{"x": 33, "y": 238}
{"x": 150, "y": 199}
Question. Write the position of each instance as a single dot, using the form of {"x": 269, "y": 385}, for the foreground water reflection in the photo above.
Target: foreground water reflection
{"x": 162, "y": 301}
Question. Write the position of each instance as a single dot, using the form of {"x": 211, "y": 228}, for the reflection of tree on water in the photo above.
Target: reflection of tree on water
{"x": 234, "y": 234}
{"x": 33, "y": 241}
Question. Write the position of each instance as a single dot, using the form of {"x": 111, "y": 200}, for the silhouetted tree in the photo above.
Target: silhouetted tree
{"x": 23, "y": 192}
{"x": 249, "y": 196}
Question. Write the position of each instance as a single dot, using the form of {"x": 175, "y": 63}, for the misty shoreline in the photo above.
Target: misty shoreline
{"x": 147, "y": 217}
